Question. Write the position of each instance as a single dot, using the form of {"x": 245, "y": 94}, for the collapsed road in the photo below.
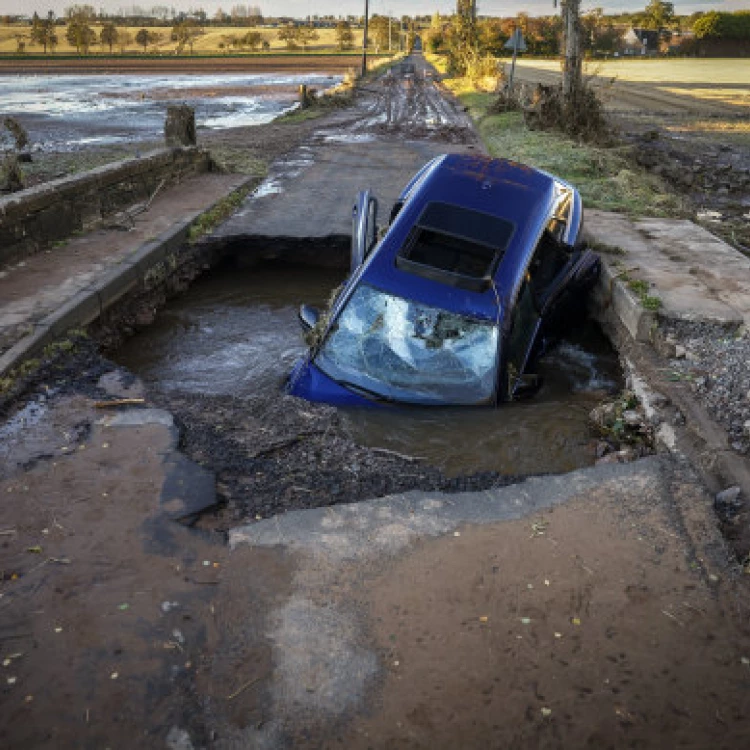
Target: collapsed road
{"x": 600, "y": 607}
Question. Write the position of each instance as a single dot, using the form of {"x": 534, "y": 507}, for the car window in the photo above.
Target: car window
{"x": 549, "y": 259}
{"x": 401, "y": 349}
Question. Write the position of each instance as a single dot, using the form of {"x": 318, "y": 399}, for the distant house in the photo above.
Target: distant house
{"x": 639, "y": 42}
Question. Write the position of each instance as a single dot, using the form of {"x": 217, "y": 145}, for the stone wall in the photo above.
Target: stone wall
{"x": 34, "y": 219}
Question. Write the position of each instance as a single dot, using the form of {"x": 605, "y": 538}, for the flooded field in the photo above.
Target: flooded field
{"x": 71, "y": 112}
{"x": 236, "y": 334}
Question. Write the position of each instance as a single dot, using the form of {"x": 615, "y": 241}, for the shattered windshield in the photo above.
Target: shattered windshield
{"x": 407, "y": 351}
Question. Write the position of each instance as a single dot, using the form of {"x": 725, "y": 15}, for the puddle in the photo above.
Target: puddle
{"x": 237, "y": 334}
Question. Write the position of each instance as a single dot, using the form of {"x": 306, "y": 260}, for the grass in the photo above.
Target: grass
{"x": 607, "y": 178}
{"x": 222, "y": 210}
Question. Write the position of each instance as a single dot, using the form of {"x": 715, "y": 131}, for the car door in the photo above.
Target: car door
{"x": 520, "y": 339}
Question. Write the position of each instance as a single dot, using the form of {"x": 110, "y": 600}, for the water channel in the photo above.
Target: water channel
{"x": 236, "y": 333}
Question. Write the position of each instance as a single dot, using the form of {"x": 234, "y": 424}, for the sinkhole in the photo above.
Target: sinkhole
{"x": 221, "y": 354}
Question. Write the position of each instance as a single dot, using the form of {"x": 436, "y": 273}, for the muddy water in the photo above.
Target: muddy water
{"x": 236, "y": 333}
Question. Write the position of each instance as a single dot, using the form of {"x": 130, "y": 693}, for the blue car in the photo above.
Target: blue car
{"x": 481, "y": 262}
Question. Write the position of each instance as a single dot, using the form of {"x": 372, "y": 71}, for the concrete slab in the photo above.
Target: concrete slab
{"x": 697, "y": 276}
{"x": 315, "y": 199}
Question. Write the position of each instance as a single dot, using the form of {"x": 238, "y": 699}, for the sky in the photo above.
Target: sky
{"x": 302, "y": 8}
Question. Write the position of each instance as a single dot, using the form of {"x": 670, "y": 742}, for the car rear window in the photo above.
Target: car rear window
{"x": 455, "y": 245}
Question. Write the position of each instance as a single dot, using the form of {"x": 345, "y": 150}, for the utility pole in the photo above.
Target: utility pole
{"x": 364, "y": 39}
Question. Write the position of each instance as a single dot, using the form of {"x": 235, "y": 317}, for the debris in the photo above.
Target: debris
{"x": 242, "y": 688}
{"x": 538, "y": 528}
{"x": 671, "y": 616}
{"x": 58, "y": 629}
{"x": 396, "y": 454}
{"x": 119, "y": 402}
{"x": 546, "y": 711}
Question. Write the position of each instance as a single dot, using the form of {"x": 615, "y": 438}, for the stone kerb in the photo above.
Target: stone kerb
{"x": 34, "y": 219}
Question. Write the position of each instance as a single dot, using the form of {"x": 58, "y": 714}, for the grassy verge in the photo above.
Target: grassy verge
{"x": 607, "y": 177}
{"x": 221, "y": 211}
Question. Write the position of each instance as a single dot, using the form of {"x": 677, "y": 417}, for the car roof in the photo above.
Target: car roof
{"x": 501, "y": 188}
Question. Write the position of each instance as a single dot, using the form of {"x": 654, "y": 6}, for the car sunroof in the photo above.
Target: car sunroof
{"x": 455, "y": 245}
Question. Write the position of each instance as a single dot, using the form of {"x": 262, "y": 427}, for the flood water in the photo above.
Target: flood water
{"x": 236, "y": 333}
{"x": 70, "y": 112}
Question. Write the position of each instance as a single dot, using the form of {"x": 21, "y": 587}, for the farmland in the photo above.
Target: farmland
{"x": 210, "y": 41}
{"x": 673, "y": 83}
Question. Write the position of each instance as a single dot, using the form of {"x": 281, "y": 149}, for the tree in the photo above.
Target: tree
{"x": 108, "y": 35}
{"x": 143, "y": 37}
{"x": 290, "y": 35}
{"x": 344, "y": 35}
{"x": 42, "y": 32}
{"x": 80, "y": 13}
{"x": 186, "y": 33}
{"x": 307, "y": 34}
{"x": 80, "y": 35}
{"x": 253, "y": 39}
{"x": 461, "y": 38}
{"x": 380, "y": 30}
{"x": 658, "y": 14}
{"x": 124, "y": 40}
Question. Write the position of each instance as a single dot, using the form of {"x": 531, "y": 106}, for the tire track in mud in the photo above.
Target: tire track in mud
{"x": 407, "y": 103}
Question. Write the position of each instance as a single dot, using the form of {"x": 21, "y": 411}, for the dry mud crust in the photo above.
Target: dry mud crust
{"x": 278, "y": 453}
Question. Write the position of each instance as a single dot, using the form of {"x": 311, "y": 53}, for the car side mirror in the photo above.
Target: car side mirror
{"x": 308, "y": 317}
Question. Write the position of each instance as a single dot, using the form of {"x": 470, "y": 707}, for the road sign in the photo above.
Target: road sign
{"x": 516, "y": 42}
